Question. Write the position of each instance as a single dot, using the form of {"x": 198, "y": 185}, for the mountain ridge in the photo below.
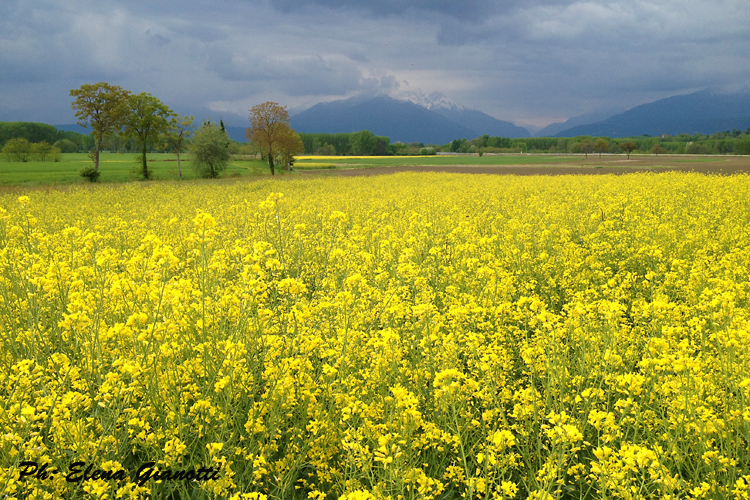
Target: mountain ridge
{"x": 702, "y": 112}
{"x": 402, "y": 120}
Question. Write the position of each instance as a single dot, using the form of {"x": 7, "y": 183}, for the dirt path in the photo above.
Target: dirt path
{"x": 592, "y": 166}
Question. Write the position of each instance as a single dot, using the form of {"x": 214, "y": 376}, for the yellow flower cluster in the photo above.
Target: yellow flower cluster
{"x": 414, "y": 336}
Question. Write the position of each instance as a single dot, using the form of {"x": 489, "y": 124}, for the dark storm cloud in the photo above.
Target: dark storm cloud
{"x": 519, "y": 60}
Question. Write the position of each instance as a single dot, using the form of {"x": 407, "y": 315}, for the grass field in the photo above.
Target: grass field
{"x": 114, "y": 167}
{"x": 117, "y": 167}
{"x": 411, "y": 336}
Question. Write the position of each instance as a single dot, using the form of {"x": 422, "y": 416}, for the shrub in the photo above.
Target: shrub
{"x": 90, "y": 172}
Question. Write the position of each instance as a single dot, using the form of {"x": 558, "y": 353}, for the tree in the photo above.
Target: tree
{"x": 587, "y": 147}
{"x": 43, "y": 150}
{"x": 601, "y": 146}
{"x": 104, "y": 108}
{"x": 17, "y": 149}
{"x": 178, "y": 132}
{"x": 290, "y": 144}
{"x": 742, "y": 147}
{"x": 210, "y": 148}
{"x": 628, "y": 147}
{"x": 363, "y": 143}
{"x": 266, "y": 128}
{"x": 657, "y": 149}
{"x": 66, "y": 146}
{"x": 147, "y": 120}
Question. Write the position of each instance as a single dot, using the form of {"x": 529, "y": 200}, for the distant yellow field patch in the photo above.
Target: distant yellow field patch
{"x": 357, "y": 157}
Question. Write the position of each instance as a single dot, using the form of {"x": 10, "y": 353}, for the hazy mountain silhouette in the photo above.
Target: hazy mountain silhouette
{"x": 584, "y": 119}
{"x": 403, "y": 121}
{"x": 705, "y": 112}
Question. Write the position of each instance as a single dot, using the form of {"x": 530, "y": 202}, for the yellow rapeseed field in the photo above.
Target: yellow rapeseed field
{"x": 414, "y": 336}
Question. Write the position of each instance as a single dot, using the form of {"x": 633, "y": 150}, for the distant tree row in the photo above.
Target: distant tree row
{"x": 67, "y": 142}
{"x": 734, "y": 142}
{"x": 363, "y": 143}
{"x": 20, "y": 149}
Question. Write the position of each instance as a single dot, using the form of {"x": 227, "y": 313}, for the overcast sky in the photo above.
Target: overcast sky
{"x": 526, "y": 61}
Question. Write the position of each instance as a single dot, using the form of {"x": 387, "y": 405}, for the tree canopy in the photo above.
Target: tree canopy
{"x": 210, "y": 148}
{"x": 290, "y": 145}
{"x": 179, "y": 131}
{"x": 267, "y": 129}
{"x": 104, "y": 108}
{"x": 146, "y": 120}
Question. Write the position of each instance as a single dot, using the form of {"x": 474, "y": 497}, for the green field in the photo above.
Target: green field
{"x": 114, "y": 167}
{"x": 119, "y": 167}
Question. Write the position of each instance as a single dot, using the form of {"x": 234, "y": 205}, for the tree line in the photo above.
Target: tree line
{"x": 366, "y": 143}
{"x": 113, "y": 112}
{"x": 727, "y": 142}
{"x": 363, "y": 143}
{"x": 36, "y": 133}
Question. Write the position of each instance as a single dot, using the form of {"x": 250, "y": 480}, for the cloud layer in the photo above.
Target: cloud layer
{"x": 526, "y": 61}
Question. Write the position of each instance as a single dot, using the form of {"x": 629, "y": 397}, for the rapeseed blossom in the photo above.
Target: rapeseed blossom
{"x": 415, "y": 336}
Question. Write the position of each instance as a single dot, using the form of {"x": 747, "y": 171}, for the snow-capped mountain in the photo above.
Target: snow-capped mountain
{"x": 434, "y": 101}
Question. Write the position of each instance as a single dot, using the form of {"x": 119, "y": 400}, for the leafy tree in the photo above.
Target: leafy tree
{"x": 266, "y": 128}
{"x": 601, "y": 146}
{"x": 694, "y": 148}
{"x": 742, "y": 147}
{"x": 178, "y": 132}
{"x": 147, "y": 119}
{"x": 587, "y": 147}
{"x": 66, "y": 146}
{"x": 628, "y": 147}
{"x": 104, "y": 108}
{"x": 17, "y": 149}
{"x": 658, "y": 149}
{"x": 290, "y": 144}
{"x": 210, "y": 148}
{"x": 43, "y": 150}
{"x": 363, "y": 143}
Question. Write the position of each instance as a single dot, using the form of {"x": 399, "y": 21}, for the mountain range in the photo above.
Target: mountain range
{"x": 435, "y": 119}
{"x": 428, "y": 119}
{"x": 584, "y": 119}
{"x": 702, "y": 112}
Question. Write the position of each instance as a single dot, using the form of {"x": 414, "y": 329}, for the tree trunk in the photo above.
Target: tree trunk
{"x": 270, "y": 162}
{"x": 145, "y": 164}
{"x": 96, "y": 153}
{"x": 179, "y": 168}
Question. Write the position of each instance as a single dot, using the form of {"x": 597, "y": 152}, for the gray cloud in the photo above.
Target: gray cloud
{"x": 468, "y": 9}
{"x": 517, "y": 60}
